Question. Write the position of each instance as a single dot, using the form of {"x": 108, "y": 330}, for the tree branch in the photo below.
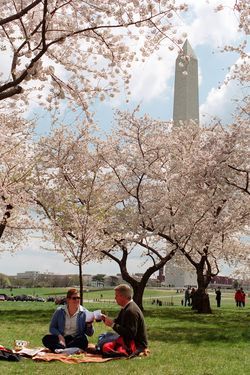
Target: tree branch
{"x": 19, "y": 14}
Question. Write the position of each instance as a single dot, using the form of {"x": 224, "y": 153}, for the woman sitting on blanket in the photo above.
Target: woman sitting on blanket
{"x": 68, "y": 326}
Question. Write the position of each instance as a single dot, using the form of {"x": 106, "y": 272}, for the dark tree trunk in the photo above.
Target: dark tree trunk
{"x": 201, "y": 301}
{"x": 80, "y": 283}
{"x": 2, "y": 227}
{"x": 137, "y": 286}
{"x": 6, "y": 216}
{"x": 138, "y": 291}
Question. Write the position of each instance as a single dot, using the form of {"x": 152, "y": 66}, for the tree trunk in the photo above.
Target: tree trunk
{"x": 201, "y": 301}
{"x": 5, "y": 218}
{"x": 137, "y": 286}
{"x": 80, "y": 283}
{"x": 138, "y": 291}
{"x": 2, "y": 227}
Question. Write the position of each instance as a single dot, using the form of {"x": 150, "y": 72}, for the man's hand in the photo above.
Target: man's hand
{"x": 62, "y": 340}
{"x": 107, "y": 321}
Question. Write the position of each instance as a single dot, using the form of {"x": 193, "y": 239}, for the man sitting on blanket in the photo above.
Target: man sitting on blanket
{"x": 129, "y": 325}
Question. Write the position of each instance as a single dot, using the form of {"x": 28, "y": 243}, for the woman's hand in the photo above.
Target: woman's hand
{"x": 62, "y": 340}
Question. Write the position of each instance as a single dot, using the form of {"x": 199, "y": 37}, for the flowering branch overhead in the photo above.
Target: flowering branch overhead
{"x": 86, "y": 45}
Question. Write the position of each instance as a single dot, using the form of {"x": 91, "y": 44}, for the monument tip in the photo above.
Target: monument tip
{"x": 188, "y": 50}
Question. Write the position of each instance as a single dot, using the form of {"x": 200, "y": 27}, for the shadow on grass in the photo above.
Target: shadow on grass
{"x": 33, "y": 314}
{"x": 188, "y": 315}
{"x": 169, "y": 325}
{"x": 176, "y": 325}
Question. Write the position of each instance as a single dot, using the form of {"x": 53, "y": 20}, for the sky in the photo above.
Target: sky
{"x": 152, "y": 87}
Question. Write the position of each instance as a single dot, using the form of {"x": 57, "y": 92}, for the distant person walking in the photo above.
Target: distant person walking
{"x": 238, "y": 298}
{"x": 218, "y": 296}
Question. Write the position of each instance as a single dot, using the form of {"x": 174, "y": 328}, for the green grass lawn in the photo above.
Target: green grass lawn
{"x": 163, "y": 294}
{"x": 181, "y": 342}
{"x": 88, "y": 292}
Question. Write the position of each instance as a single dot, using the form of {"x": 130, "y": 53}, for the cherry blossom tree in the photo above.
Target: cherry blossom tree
{"x": 83, "y": 209}
{"x": 77, "y": 197}
{"x": 78, "y": 49}
{"x": 218, "y": 215}
{"x": 149, "y": 188}
{"x": 170, "y": 183}
{"x": 129, "y": 155}
{"x": 16, "y": 164}
{"x": 240, "y": 72}
{"x": 238, "y": 169}
{"x": 70, "y": 196}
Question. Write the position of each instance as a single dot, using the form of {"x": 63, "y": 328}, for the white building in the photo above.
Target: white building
{"x": 30, "y": 275}
{"x": 178, "y": 277}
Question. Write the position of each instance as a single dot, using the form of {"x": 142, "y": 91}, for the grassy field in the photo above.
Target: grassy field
{"x": 167, "y": 296}
{"x": 181, "y": 342}
{"x": 88, "y": 293}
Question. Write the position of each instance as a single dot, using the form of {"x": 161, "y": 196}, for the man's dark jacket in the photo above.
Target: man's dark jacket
{"x": 131, "y": 326}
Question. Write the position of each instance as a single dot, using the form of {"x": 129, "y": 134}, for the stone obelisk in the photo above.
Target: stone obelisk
{"x": 186, "y": 92}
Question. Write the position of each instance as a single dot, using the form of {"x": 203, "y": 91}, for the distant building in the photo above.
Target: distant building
{"x": 222, "y": 281}
{"x": 161, "y": 276}
{"x": 87, "y": 279}
{"x": 177, "y": 277}
{"x": 111, "y": 281}
{"x": 28, "y": 275}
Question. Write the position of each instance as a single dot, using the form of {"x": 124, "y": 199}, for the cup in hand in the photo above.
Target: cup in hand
{"x": 98, "y": 315}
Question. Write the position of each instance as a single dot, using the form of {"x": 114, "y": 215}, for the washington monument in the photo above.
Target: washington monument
{"x": 186, "y": 93}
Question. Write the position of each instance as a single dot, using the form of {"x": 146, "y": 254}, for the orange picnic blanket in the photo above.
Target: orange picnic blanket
{"x": 74, "y": 358}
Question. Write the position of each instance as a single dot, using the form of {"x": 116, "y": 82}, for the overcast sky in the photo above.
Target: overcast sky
{"x": 152, "y": 88}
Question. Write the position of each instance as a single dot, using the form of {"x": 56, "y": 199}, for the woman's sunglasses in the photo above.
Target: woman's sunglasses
{"x": 75, "y": 298}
